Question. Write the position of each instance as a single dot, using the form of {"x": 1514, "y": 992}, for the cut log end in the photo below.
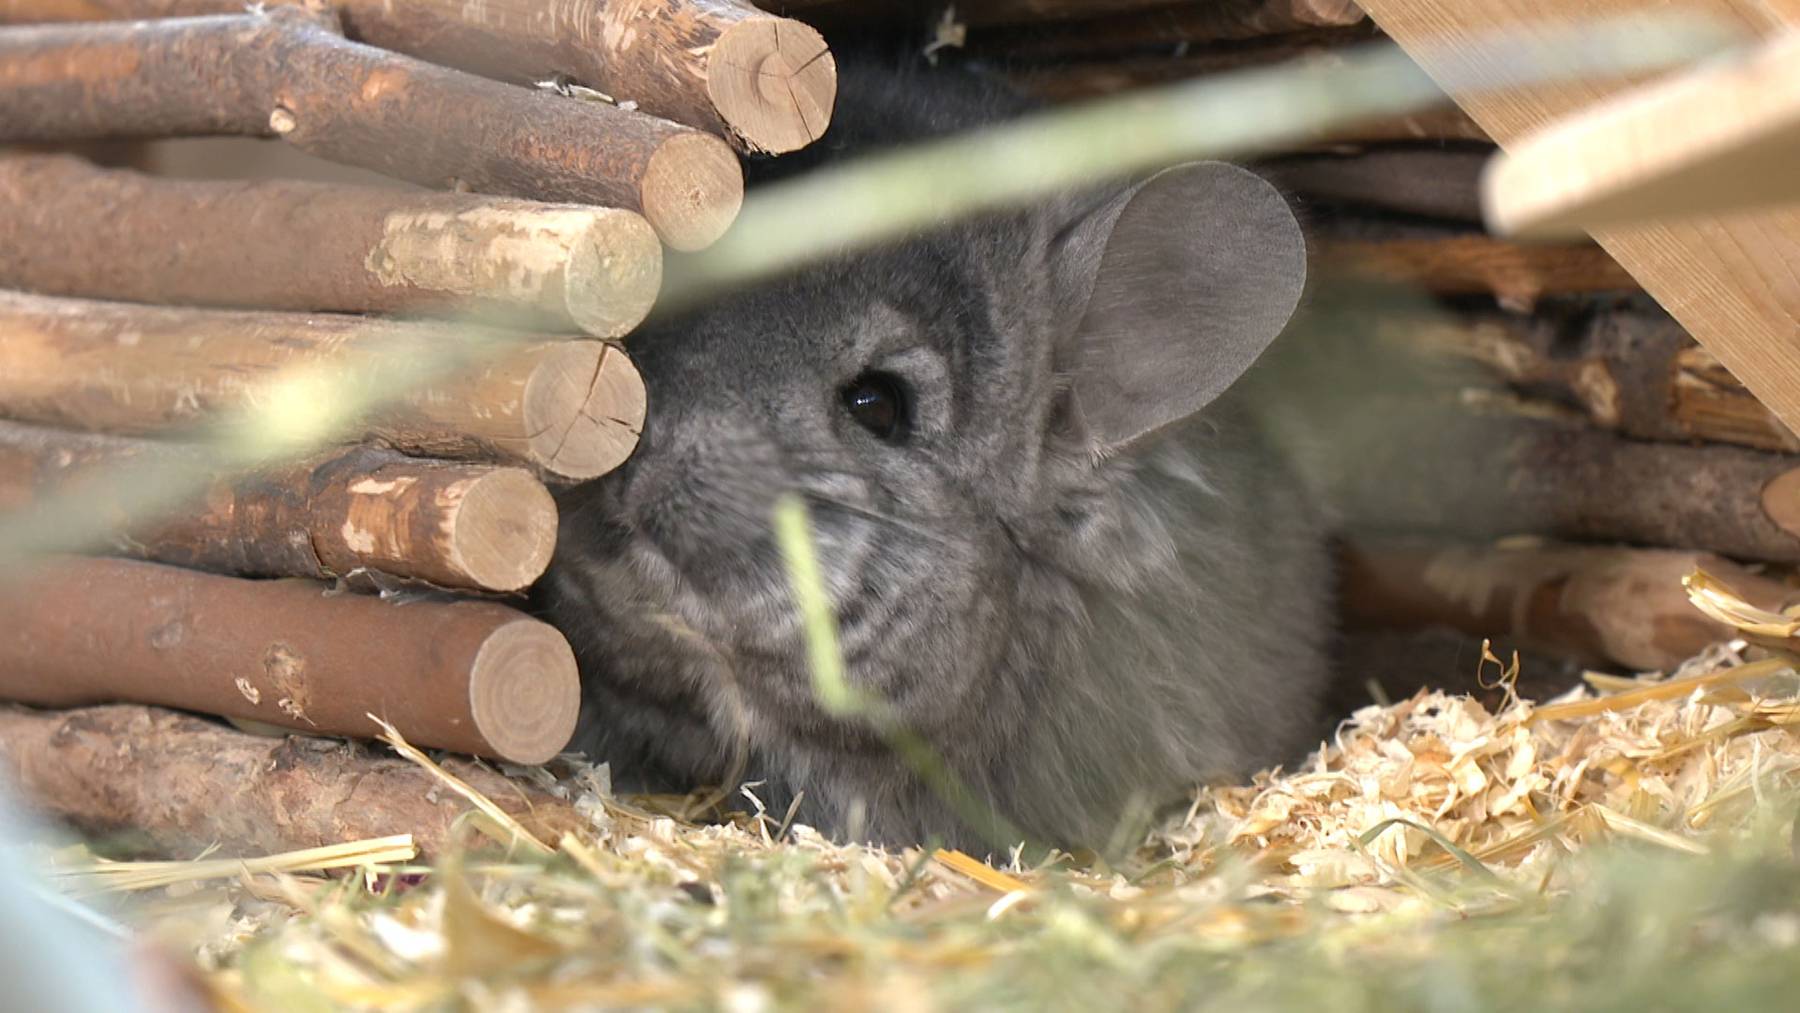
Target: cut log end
{"x": 524, "y": 692}
{"x": 503, "y": 530}
{"x": 691, "y": 190}
{"x": 773, "y": 82}
{"x": 1781, "y": 501}
{"x": 614, "y": 272}
{"x": 584, "y": 406}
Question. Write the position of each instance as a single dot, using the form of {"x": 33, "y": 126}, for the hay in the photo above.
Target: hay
{"x": 1629, "y": 844}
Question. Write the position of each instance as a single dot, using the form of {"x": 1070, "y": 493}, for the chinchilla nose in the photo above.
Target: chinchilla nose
{"x": 702, "y": 479}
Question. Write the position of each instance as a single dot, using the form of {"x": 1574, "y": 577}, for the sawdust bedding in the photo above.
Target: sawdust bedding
{"x": 1628, "y": 843}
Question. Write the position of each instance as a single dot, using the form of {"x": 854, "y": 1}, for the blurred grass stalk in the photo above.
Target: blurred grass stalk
{"x": 841, "y": 699}
{"x": 880, "y": 198}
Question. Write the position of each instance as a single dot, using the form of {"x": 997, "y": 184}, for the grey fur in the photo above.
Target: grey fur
{"x": 1076, "y": 620}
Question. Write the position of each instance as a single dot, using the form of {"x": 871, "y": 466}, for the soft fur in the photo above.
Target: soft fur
{"x": 1076, "y": 636}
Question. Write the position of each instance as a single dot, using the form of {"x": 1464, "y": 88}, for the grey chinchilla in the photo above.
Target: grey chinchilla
{"x": 1075, "y": 571}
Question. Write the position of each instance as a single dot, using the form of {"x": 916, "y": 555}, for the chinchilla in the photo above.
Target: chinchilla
{"x": 1056, "y": 544}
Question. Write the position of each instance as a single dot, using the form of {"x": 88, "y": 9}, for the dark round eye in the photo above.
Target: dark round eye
{"x": 878, "y": 403}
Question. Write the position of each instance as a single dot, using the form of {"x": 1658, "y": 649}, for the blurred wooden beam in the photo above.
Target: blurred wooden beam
{"x": 1719, "y": 139}
{"x": 1733, "y": 283}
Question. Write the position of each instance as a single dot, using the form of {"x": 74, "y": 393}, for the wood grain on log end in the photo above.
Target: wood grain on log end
{"x": 524, "y": 691}
{"x": 612, "y": 273}
{"x": 290, "y": 653}
{"x": 501, "y": 529}
{"x": 1781, "y": 501}
{"x": 598, "y": 267}
{"x": 691, "y": 190}
{"x": 773, "y": 82}
{"x": 584, "y": 407}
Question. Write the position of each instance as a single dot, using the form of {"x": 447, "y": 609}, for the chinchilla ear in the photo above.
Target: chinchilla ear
{"x": 1188, "y": 277}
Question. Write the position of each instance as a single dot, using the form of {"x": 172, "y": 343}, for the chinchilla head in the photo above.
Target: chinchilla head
{"x": 973, "y": 419}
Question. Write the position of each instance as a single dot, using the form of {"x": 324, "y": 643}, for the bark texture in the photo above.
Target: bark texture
{"x": 474, "y": 677}
{"x": 287, "y": 72}
{"x": 155, "y": 783}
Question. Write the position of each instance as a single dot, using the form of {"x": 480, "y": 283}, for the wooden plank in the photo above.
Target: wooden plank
{"x": 1733, "y": 283}
{"x": 1662, "y": 152}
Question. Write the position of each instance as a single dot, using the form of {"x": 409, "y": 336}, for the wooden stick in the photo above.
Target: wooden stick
{"x": 151, "y": 782}
{"x": 767, "y": 83}
{"x": 455, "y": 525}
{"x": 571, "y": 409}
{"x": 286, "y": 72}
{"x": 1632, "y": 370}
{"x": 68, "y": 228}
{"x": 1165, "y": 27}
{"x": 1517, "y": 275}
{"x": 1602, "y": 605}
{"x": 1448, "y": 471}
{"x": 474, "y": 677}
{"x": 1661, "y": 152}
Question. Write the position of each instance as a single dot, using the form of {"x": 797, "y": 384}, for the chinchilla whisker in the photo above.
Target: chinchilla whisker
{"x": 869, "y": 513}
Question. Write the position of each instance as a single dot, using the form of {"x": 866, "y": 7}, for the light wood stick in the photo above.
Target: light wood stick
{"x": 455, "y": 525}
{"x": 1718, "y": 139}
{"x": 571, "y": 409}
{"x": 286, "y": 72}
{"x": 765, "y": 82}
{"x": 148, "y": 782}
{"x": 1604, "y": 606}
{"x": 474, "y": 677}
{"x": 69, "y": 228}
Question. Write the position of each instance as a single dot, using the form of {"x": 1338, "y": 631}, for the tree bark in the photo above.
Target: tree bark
{"x": 68, "y": 228}
{"x": 1603, "y": 606}
{"x": 571, "y": 409}
{"x": 151, "y": 782}
{"x": 336, "y": 515}
{"x": 474, "y": 677}
{"x": 286, "y": 72}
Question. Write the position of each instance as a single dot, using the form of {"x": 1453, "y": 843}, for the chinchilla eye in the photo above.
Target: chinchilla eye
{"x": 878, "y": 403}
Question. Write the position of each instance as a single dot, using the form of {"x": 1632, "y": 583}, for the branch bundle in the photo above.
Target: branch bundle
{"x": 1604, "y": 606}
{"x": 766, "y": 82}
{"x": 475, "y": 677}
{"x": 286, "y": 72}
